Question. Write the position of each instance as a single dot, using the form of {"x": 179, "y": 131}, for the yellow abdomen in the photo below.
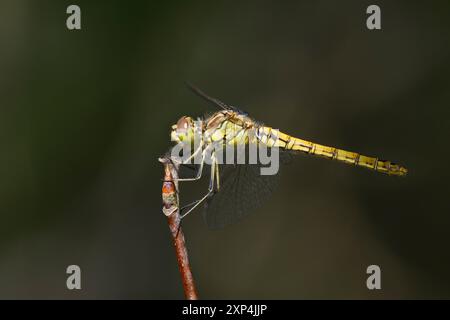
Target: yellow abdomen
{"x": 274, "y": 138}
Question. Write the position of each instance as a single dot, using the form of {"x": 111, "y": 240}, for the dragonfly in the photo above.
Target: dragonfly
{"x": 235, "y": 190}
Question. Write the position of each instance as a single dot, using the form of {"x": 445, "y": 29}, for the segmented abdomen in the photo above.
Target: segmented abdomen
{"x": 272, "y": 137}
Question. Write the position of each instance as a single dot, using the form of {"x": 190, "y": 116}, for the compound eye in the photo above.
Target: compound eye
{"x": 183, "y": 124}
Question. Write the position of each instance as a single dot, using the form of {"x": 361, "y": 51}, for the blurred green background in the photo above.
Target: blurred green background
{"x": 85, "y": 115}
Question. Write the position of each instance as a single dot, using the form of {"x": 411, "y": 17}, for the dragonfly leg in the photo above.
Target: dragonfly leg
{"x": 188, "y": 205}
{"x": 198, "y": 175}
{"x": 210, "y": 188}
{"x": 217, "y": 176}
{"x": 200, "y": 147}
{"x": 197, "y": 203}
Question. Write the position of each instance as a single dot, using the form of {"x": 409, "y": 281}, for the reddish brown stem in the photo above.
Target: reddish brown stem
{"x": 171, "y": 210}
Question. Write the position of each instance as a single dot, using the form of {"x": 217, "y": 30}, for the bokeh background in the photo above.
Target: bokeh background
{"x": 85, "y": 114}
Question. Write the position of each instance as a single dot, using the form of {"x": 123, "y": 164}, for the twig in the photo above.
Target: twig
{"x": 171, "y": 210}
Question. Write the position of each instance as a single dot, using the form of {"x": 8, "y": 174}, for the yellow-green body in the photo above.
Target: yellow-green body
{"x": 234, "y": 128}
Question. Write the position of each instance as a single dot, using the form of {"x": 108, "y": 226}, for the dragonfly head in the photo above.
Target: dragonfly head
{"x": 183, "y": 131}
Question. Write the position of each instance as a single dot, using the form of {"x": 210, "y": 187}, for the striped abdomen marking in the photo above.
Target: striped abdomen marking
{"x": 272, "y": 137}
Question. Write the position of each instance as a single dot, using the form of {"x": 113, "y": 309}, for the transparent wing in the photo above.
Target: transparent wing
{"x": 242, "y": 190}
